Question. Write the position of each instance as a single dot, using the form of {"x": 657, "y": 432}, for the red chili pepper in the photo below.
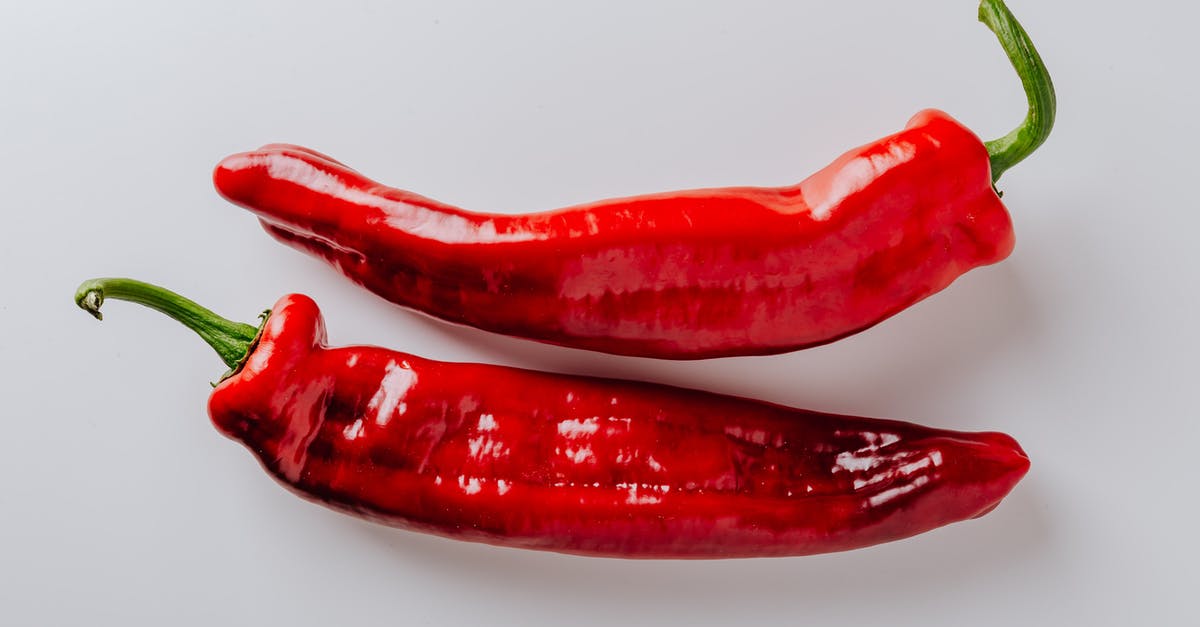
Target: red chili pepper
{"x": 573, "y": 464}
{"x": 683, "y": 275}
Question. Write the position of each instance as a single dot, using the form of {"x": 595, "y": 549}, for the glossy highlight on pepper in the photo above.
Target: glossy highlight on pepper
{"x": 574, "y": 464}
{"x": 680, "y": 275}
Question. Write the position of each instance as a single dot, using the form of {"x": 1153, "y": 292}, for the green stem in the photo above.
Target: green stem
{"x": 1033, "y": 131}
{"x": 232, "y": 340}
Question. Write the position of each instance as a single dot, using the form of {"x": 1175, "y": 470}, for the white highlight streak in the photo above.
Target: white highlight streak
{"x": 394, "y": 385}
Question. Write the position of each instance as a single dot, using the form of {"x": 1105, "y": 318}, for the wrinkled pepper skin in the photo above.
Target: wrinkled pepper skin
{"x": 590, "y": 466}
{"x": 684, "y": 275}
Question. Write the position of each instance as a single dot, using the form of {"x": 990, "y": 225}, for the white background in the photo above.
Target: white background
{"x": 121, "y": 505}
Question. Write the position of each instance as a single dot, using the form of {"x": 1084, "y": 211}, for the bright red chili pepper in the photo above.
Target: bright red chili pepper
{"x": 683, "y": 275}
{"x": 573, "y": 464}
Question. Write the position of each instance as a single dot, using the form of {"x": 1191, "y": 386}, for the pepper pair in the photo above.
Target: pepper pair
{"x": 608, "y": 467}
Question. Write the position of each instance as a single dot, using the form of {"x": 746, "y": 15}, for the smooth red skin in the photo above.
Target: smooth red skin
{"x": 683, "y": 275}
{"x": 593, "y": 466}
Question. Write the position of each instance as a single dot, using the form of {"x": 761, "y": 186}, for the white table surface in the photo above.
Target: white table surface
{"x": 121, "y": 505}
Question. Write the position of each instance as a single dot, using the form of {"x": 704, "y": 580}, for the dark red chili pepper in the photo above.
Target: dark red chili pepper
{"x": 574, "y": 464}
{"x": 683, "y": 275}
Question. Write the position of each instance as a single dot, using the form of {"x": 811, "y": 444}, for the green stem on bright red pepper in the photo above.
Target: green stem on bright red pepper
{"x": 1039, "y": 89}
{"x": 232, "y": 340}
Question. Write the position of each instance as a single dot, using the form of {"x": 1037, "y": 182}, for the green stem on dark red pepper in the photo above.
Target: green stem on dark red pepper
{"x": 1039, "y": 89}
{"x": 232, "y": 340}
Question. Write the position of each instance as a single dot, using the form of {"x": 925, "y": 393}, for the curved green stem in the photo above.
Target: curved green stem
{"x": 1033, "y": 131}
{"x": 232, "y": 340}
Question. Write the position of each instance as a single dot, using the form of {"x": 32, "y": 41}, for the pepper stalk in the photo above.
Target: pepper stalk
{"x": 1011, "y": 149}
{"x": 231, "y": 340}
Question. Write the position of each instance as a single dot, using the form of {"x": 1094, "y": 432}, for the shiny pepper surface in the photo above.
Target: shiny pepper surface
{"x": 681, "y": 275}
{"x": 696, "y": 274}
{"x": 544, "y": 461}
{"x": 573, "y": 464}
